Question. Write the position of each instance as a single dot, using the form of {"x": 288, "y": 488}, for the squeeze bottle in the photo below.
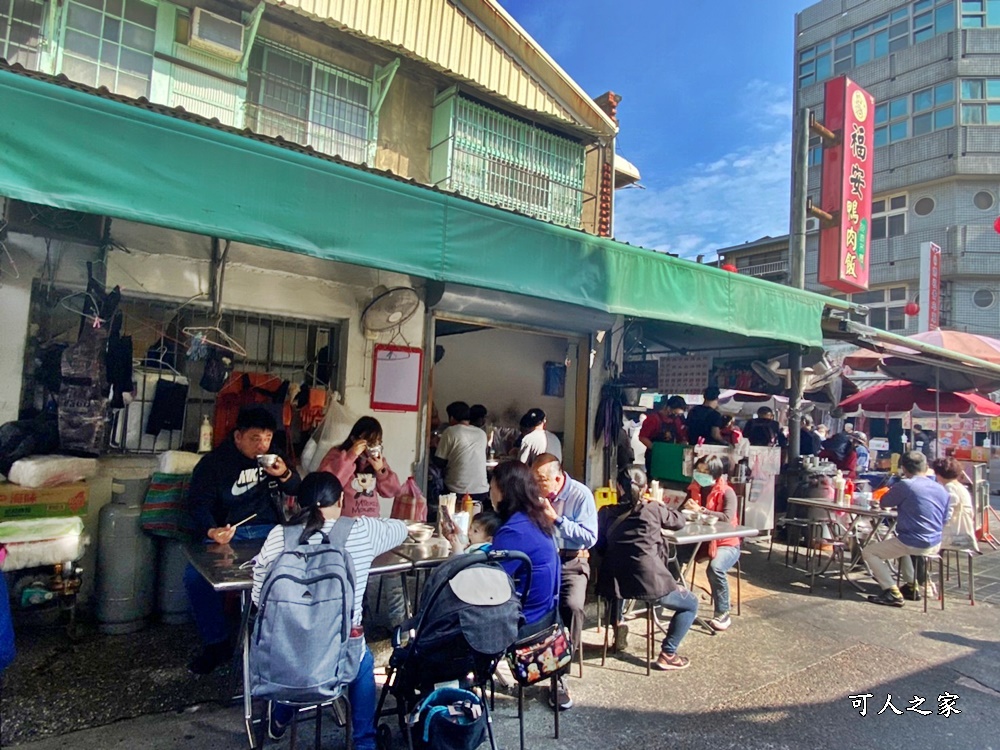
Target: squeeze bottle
{"x": 205, "y": 435}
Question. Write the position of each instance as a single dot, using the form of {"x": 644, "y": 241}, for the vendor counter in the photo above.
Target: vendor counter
{"x": 671, "y": 462}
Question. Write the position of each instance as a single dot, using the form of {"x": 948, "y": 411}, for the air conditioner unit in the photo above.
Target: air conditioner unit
{"x": 216, "y": 35}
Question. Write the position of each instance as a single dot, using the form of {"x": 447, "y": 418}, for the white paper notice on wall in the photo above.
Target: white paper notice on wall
{"x": 684, "y": 374}
{"x": 396, "y": 374}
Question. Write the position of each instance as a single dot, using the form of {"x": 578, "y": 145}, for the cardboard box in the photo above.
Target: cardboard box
{"x": 43, "y": 502}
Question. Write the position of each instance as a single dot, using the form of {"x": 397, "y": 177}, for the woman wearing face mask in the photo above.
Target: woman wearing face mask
{"x": 710, "y": 493}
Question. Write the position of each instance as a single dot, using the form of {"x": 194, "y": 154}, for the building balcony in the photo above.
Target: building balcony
{"x": 761, "y": 270}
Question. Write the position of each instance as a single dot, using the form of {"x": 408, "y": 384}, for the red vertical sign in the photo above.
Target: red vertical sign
{"x": 848, "y": 172}
{"x": 934, "y": 291}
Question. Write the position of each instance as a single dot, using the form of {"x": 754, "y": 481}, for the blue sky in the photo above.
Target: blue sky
{"x": 705, "y": 114}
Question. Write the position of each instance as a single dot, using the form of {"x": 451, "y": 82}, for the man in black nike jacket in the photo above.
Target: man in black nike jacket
{"x": 229, "y": 485}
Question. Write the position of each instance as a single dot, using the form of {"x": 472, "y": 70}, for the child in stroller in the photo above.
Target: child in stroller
{"x": 468, "y": 617}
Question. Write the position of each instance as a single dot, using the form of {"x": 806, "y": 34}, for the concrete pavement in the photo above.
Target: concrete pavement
{"x": 781, "y": 677}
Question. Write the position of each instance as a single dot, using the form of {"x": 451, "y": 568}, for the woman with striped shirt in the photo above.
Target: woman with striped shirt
{"x": 321, "y": 499}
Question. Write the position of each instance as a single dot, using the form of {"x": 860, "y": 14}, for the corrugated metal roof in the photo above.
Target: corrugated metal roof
{"x": 450, "y": 39}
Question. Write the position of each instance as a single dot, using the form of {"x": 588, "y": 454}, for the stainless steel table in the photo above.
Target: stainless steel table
{"x": 843, "y": 522}
{"x": 699, "y": 533}
{"x": 229, "y": 567}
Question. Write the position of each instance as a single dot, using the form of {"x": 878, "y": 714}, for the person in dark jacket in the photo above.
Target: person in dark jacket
{"x": 230, "y": 485}
{"x": 810, "y": 442}
{"x": 704, "y": 421}
{"x": 764, "y": 429}
{"x": 635, "y": 567}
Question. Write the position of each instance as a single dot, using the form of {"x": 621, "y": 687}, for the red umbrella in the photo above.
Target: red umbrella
{"x": 895, "y": 396}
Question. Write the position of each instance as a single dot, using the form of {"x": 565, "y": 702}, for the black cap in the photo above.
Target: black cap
{"x": 532, "y": 418}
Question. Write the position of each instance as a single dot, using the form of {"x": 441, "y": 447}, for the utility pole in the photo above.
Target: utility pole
{"x": 797, "y": 265}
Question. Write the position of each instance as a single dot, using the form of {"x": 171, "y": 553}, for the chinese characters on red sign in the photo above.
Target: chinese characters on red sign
{"x": 847, "y": 186}
{"x": 934, "y": 292}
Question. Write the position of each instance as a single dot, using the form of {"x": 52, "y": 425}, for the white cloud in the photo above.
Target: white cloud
{"x": 742, "y": 196}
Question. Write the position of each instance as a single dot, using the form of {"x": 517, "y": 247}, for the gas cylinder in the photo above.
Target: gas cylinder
{"x": 126, "y": 561}
{"x": 171, "y": 596}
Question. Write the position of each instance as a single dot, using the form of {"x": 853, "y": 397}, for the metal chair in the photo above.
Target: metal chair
{"x": 318, "y": 719}
{"x": 971, "y": 555}
{"x": 650, "y": 631}
{"x": 922, "y": 565}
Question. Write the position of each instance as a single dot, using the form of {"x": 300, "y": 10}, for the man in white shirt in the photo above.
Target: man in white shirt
{"x": 535, "y": 439}
{"x": 462, "y": 449}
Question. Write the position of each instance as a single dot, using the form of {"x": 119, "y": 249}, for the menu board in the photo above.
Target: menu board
{"x": 684, "y": 374}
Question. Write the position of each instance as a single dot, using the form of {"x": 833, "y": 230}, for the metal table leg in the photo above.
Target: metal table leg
{"x": 245, "y": 645}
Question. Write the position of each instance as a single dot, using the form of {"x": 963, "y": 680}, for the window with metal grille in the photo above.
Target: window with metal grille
{"x": 889, "y": 217}
{"x": 110, "y": 43}
{"x": 278, "y": 350}
{"x": 519, "y": 166}
{"x": 308, "y": 102}
{"x": 21, "y": 31}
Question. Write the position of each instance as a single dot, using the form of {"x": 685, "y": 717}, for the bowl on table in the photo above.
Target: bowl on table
{"x": 707, "y": 519}
{"x": 690, "y": 515}
{"x": 420, "y": 532}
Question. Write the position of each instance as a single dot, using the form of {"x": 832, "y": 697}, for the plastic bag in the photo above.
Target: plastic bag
{"x": 410, "y": 504}
{"x": 330, "y": 433}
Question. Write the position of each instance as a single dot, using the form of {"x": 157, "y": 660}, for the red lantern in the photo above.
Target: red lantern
{"x": 911, "y": 309}
{"x": 731, "y": 268}
{"x": 996, "y": 225}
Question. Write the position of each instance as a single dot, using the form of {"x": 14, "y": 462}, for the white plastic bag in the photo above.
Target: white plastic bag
{"x": 49, "y": 471}
{"x": 178, "y": 462}
{"x": 333, "y": 430}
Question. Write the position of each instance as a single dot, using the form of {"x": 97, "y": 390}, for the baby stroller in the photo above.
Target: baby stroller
{"x": 468, "y": 617}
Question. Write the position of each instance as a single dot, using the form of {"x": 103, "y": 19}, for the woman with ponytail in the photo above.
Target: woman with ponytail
{"x": 321, "y": 500}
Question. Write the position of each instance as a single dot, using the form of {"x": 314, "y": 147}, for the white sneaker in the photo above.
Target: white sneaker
{"x": 720, "y": 622}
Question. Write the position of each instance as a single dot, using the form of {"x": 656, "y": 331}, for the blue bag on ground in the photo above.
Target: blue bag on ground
{"x": 301, "y": 650}
{"x": 450, "y": 719}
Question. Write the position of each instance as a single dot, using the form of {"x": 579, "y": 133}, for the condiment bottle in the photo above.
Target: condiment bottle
{"x": 839, "y": 483}
{"x": 468, "y": 504}
{"x": 205, "y": 435}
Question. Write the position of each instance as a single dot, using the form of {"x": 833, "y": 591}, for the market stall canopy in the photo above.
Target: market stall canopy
{"x": 949, "y": 361}
{"x": 69, "y": 146}
{"x": 897, "y": 397}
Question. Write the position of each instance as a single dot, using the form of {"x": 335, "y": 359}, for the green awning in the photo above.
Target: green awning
{"x": 70, "y": 148}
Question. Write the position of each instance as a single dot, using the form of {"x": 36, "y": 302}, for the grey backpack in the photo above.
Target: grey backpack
{"x": 301, "y": 650}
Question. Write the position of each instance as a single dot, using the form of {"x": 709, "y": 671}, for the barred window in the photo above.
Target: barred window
{"x": 308, "y": 102}
{"x": 279, "y": 352}
{"x": 20, "y": 31}
{"x": 110, "y": 43}
{"x": 519, "y": 166}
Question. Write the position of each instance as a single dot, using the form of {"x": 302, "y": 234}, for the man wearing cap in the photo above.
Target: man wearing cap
{"x": 665, "y": 425}
{"x": 535, "y": 439}
{"x": 571, "y": 507}
{"x": 704, "y": 423}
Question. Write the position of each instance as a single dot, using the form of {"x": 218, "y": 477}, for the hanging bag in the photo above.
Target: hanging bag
{"x": 409, "y": 504}
{"x": 541, "y": 655}
{"x": 449, "y": 719}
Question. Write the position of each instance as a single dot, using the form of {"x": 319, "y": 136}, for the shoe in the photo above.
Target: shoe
{"x": 210, "y": 658}
{"x": 621, "y": 637}
{"x": 667, "y": 662}
{"x": 275, "y": 728}
{"x": 561, "y": 696}
{"x": 887, "y": 598}
{"x": 910, "y": 592}
{"x": 720, "y": 622}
